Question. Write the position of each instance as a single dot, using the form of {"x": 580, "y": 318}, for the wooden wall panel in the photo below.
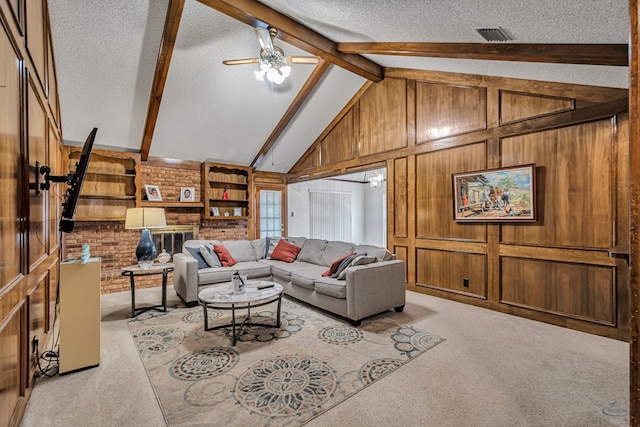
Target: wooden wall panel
{"x": 37, "y": 302}
{"x": 383, "y": 117}
{"x": 448, "y": 270}
{"x": 10, "y": 164}
{"x": 519, "y": 106}
{"x": 400, "y": 198}
{"x": 52, "y": 83}
{"x": 37, "y": 128}
{"x": 10, "y": 366}
{"x": 339, "y": 144}
{"x": 445, "y": 110}
{"x": 434, "y": 192}
{"x": 575, "y": 290}
{"x": 312, "y": 160}
{"x": 36, "y": 31}
{"x": 54, "y": 156}
{"x": 402, "y": 253}
{"x": 574, "y": 187}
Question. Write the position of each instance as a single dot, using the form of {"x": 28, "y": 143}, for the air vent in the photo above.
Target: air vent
{"x": 495, "y": 34}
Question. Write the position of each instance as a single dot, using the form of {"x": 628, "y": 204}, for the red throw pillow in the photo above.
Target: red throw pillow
{"x": 225, "y": 257}
{"x": 335, "y": 265}
{"x": 285, "y": 251}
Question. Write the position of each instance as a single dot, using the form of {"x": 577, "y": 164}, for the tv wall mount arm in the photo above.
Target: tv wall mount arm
{"x": 48, "y": 178}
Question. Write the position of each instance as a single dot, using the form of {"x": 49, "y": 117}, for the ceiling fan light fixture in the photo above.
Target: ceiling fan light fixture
{"x": 273, "y": 65}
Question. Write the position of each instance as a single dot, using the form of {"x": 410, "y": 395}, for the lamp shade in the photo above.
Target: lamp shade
{"x": 140, "y": 218}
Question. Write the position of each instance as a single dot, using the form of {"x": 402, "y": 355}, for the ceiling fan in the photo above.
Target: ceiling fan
{"x": 273, "y": 64}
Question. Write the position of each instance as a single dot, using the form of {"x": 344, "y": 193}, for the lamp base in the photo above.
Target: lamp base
{"x": 146, "y": 250}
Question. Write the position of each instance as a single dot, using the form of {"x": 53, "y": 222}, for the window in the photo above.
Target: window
{"x": 270, "y": 213}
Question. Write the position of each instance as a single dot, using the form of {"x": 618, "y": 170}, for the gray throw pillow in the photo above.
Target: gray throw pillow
{"x": 344, "y": 264}
{"x": 358, "y": 260}
{"x": 384, "y": 255}
{"x": 271, "y": 243}
{"x": 195, "y": 253}
{"x": 210, "y": 256}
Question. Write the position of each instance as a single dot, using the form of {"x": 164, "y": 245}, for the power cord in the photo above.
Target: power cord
{"x": 52, "y": 359}
{"x": 52, "y": 356}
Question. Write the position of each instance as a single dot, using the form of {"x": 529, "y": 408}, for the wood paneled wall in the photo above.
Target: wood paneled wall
{"x": 29, "y": 241}
{"x": 568, "y": 268}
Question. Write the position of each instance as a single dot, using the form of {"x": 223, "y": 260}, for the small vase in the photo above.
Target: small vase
{"x": 164, "y": 257}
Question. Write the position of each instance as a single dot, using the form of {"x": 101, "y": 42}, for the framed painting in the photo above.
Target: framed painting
{"x": 153, "y": 193}
{"x": 495, "y": 195}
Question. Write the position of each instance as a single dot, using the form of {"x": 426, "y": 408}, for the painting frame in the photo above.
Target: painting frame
{"x": 153, "y": 193}
{"x": 495, "y": 195}
{"x": 187, "y": 194}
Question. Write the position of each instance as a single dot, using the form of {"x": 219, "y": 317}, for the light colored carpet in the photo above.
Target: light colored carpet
{"x": 280, "y": 376}
{"x": 493, "y": 370}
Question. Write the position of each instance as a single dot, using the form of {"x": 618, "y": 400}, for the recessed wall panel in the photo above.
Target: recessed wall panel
{"x": 574, "y": 290}
{"x": 452, "y": 271}
{"x": 434, "y": 192}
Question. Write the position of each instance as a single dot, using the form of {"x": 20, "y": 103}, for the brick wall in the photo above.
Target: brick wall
{"x": 116, "y": 246}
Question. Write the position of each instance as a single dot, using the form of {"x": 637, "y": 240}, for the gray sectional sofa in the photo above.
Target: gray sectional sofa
{"x": 366, "y": 289}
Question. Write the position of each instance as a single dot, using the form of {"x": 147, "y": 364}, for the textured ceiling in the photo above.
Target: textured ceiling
{"x": 106, "y": 54}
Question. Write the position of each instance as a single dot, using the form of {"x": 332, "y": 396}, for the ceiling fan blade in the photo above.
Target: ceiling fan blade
{"x": 241, "y": 61}
{"x": 264, "y": 38}
{"x": 302, "y": 59}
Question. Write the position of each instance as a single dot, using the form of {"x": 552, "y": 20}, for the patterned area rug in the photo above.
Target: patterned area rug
{"x": 273, "y": 376}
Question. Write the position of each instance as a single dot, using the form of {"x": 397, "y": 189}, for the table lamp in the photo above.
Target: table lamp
{"x": 144, "y": 219}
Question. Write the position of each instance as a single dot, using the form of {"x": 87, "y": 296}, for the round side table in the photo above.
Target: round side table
{"x": 134, "y": 271}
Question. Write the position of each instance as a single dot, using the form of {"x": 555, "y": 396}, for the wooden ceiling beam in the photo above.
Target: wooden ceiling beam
{"x": 254, "y": 13}
{"x": 316, "y": 76}
{"x": 588, "y": 54}
{"x": 171, "y": 24}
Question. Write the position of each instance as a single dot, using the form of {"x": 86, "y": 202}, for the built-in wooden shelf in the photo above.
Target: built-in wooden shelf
{"x": 106, "y": 197}
{"x": 232, "y": 181}
{"x": 178, "y": 205}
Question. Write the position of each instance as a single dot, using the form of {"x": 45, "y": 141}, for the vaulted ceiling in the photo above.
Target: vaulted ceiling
{"x": 149, "y": 73}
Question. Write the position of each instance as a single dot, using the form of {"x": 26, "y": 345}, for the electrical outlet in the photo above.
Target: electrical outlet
{"x": 465, "y": 282}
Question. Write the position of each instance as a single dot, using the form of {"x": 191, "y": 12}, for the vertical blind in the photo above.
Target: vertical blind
{"x": 330, "y": 215}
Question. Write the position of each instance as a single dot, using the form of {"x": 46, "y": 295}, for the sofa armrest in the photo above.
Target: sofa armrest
{"x": 374, "y": 288}
{"x": 185, "y": 277}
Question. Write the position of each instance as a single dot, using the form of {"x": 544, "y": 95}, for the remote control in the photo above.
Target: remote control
{"x": 265, "y": 286}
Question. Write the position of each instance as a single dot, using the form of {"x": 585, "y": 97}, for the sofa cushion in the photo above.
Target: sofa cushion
{"x": 215, "y": 275}
{"x": 195, "y": 253}
{"x": 306, "y": 277}
{"x": 259, "y": 247}
{"x": 359, "y": 260}
{"x": 210, "y": 256}
{"x": 331, "y": 287}
{"x": 240, "y": 250}
{"x": 335, "y": 264}
{"x": 298, "y": 241}
{"x": 254, "y": 269}
{"x": 335, "y": 250}
{"x": 270, "y": 245}
{"x": 225, "y": 257}
{"x": 312, "y": 251}
{"x": 282, "y": 270}
{"x": 285, "y": 251}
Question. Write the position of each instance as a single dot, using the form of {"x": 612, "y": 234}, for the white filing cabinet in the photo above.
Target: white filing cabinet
{"x": 79, "y": 315}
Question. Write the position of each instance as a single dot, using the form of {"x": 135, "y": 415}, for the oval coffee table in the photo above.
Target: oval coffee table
{"x": 222, "y": 297}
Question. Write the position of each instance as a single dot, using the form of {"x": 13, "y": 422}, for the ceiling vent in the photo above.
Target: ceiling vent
{"x": 495, "y": 34}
